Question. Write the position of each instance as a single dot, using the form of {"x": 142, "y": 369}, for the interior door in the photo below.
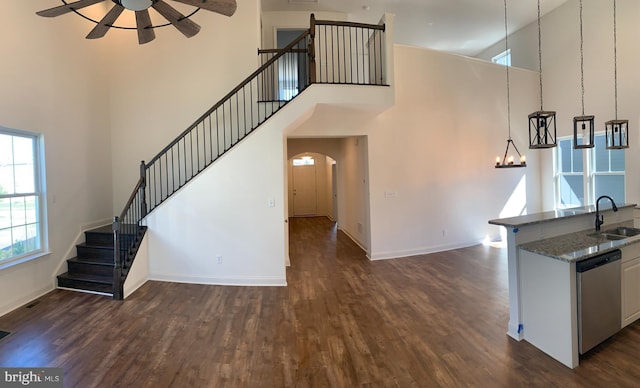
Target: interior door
{"x": 305, "y": 201}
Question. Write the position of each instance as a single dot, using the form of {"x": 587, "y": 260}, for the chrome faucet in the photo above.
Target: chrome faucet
{"x": 599, "y": 218}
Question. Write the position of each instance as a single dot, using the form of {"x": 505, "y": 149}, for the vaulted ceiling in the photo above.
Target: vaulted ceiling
{"x": 464, "y": 27}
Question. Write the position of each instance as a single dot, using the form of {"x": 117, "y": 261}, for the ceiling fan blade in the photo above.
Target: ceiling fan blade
{"x": 224, "y": 7}
{"x": 179, "y": 21}
{"x": 66, "y": 8}
{"x": 143, "y": 23}
{"x": 107, "y": 21}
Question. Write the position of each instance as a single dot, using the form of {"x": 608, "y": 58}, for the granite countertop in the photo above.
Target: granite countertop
{"x": 536, "y": 218}
{"x": 579, "y": 245}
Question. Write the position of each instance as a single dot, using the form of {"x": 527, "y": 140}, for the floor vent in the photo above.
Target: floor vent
{"x": 33, "y": 304}
{"x": 3, "y": 334}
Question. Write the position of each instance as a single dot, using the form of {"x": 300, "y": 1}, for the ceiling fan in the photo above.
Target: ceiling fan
{"x": 143, "y": 20}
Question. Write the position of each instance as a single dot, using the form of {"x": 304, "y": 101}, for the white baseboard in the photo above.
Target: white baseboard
{"x": 226, "y": 281}
{"x": 420, "y": 251}
{"x": 7, "y": 308}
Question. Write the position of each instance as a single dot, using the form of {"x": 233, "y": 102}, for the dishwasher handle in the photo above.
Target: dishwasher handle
{"x": 598, "y": 261}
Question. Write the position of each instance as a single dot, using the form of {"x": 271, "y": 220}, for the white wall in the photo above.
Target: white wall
{"x": 160, "y": 88}
{"x": 53, "y": 82}
{"x": 432, "y": 185}
{"x": 523, "y": 45}
{"x": 224, "y": 212}
{"x": 447, "y": 126}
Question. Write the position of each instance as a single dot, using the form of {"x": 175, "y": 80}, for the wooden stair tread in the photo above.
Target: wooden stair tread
{"x": 106, "y": 229}
{"x": 92, "y": 261}
{"x": 87, "y": 278}
{"x": 96, "y": 246}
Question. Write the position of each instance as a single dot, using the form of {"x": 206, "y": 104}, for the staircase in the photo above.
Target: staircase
{"x": 348, "y": 53}
{"x": 92, "y": 269}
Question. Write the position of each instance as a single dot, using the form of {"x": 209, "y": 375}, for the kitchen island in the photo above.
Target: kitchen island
{"x": 543, "y": 249}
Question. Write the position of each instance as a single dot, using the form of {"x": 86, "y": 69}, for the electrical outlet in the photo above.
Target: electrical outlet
{"x": 219, "y": 259}
{"x": 444, "y": 233}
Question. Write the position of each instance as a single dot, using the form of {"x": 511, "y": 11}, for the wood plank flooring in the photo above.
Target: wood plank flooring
{"x": 436, "y": 320}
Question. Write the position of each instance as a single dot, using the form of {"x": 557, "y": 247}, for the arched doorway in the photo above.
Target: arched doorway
{"x": 346, "y": 181}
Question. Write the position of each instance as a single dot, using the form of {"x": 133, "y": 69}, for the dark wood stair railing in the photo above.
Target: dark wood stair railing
{"x": 349, "y": 53}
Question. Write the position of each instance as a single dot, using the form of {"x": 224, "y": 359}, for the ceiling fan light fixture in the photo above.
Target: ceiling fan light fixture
{"x": 144, "y": 25}
{"x": 135, "y": 5}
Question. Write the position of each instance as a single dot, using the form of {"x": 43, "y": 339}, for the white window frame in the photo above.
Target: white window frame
{"x": 39, "y": 193}
{"x": 504, "y": 58}
{"x": 588, "y": 173}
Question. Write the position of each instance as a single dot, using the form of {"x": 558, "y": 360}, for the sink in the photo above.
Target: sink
{"x": 624, "y": 231}
{"x": 608, "y": 236}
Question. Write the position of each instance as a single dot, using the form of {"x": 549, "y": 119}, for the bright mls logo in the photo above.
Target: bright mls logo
{"x": 36, "y": 377}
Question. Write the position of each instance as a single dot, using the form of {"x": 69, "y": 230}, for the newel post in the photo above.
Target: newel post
{"x": 117, "y": 265}
{"x": 312, "y": 49}
{"x": 143, "y": 188}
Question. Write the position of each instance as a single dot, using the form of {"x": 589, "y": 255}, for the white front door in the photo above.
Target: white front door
{"x": 304, "y": 190}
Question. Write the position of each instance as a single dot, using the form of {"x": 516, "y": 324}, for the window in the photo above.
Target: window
{"x": 304, "y": 161}
{"x": 504, "y": 58}
{"x": 569, "y": 175}
{"x": 608, "y": 171}
{"x": 584, "y": 175}
{"x": 21, "y": 199}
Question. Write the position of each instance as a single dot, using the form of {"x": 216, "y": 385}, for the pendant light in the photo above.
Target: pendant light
{"x": 583, "y": 126}
{"x": 542, "y": 124}
{"x": 508, "y": 161}
{"x": 616, "y": 130}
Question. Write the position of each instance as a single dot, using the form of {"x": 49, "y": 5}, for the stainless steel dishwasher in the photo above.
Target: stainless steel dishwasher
{"x": 599, "y": 299}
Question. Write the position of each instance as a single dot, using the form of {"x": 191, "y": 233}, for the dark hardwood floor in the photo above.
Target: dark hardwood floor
{"x": 436, "y": 320}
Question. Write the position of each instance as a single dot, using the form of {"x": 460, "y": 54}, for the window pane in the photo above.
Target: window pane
{"x": 578, "y": 160}
{"x": 5, "y": 213}
{"x": 23, "y": 164}
{"x": 565, "y": 155}
{"x": 17, "y": 211}
{"x": 31, "y": 209}
{"x": 6, "y": 178}
{"x": 33, "y": 237}
{"x": 601, "y": 154}
{"x": 6, "y": 155}
{"x": 5, "y": 243}
{"x": 20, "y": 226}
{"x": 617, "y": 160}
{"x": 611, "y": 185}
{"x": 571, "y": 190}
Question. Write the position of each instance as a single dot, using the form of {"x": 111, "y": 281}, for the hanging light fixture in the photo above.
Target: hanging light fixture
{"x": 542, "y": 124}
{"x": 616, "y": 130}
{"x": 583, "y": 126}
{"x": 508, "y": 161}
